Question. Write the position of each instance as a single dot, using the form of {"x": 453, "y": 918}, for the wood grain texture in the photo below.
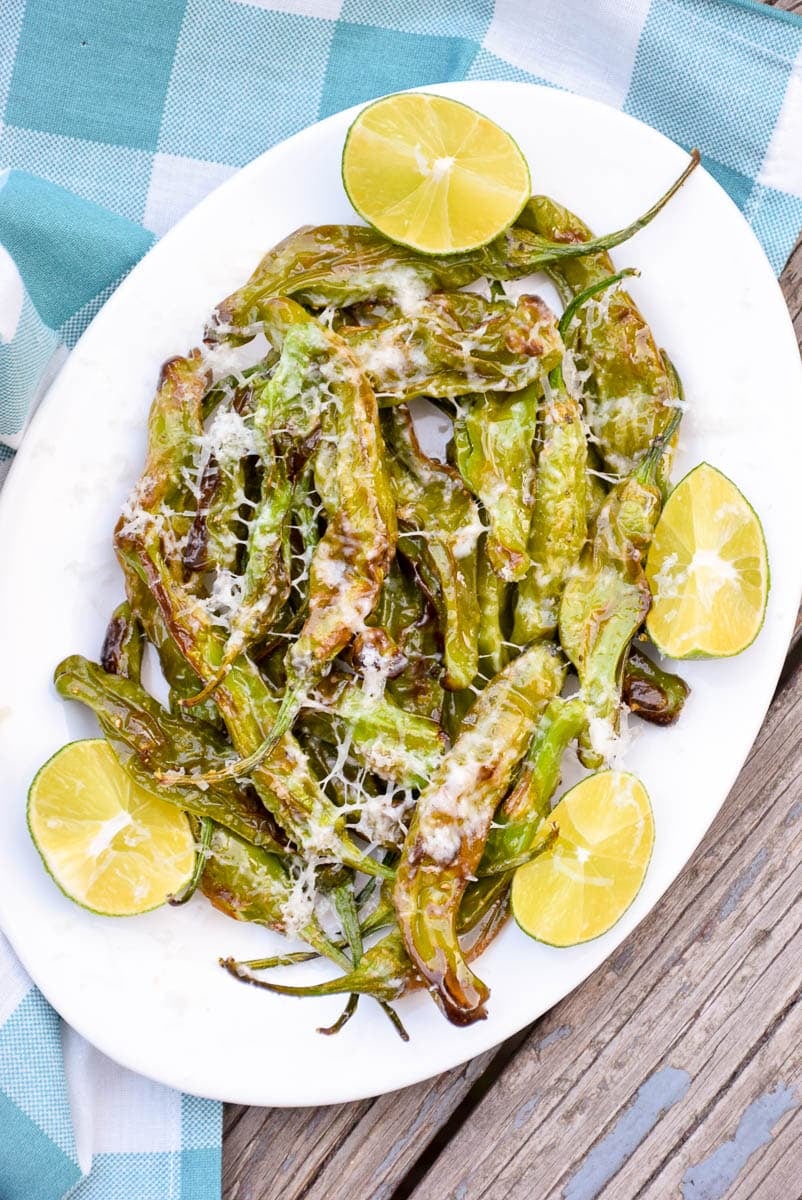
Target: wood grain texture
{"x": 283, "y": 1154}
{"x": 277, "y": 1152}
{"x": 674, "y": 1071}
{"x": 791, "y": 283}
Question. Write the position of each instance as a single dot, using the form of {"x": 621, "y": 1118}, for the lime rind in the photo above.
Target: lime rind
{"x": 428, "y": 251}
{"x": 644, "y": 866}
{"x": 35, "y": 791}
{"x": 698, "y": 654}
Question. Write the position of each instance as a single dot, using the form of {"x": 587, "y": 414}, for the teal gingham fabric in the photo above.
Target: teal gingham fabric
{"x": 74, "y": 1123}
{"x": 117, "y": 117}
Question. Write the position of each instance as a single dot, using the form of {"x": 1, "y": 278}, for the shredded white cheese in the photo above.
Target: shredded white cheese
{"x": 464, "y": 540}
{"x": 299, "y": 907}
{"x": 613, "y": 745}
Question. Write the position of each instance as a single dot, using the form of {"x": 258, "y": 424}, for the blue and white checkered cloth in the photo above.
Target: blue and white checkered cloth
{"x": 117, "y": 116}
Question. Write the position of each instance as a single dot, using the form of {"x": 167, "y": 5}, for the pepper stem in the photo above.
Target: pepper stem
{"x": 344, "y": 1017}
{"x": 329, "y": 987}
{"x": 280, "y": 960}
{"x": 288, "y": 711}
{"x": 559, "y": 250}
{"x": 556, "y": 374}
{"x": 395, "y": 1020}
{"x": 345, "y": 907}
{"x": 581, "y": 298}
{"x": 658, "y": 447}
{"x": 520, "y": 860}
{"x": 186, "y": 893}
{"x": 213, "y": 684}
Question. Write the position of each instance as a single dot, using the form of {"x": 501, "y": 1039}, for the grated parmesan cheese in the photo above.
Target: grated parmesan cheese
{"x": 229, "y": 438}
{"x": 447, "y": 813}
{"x": 613, "y": 745}
{"x": 299, "y": 907}
{"x": 224, "y": 359}
{"x": 466, "y": 538}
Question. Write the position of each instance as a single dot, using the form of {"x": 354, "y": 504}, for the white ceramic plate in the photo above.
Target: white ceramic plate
{"x": 148, "y": 990}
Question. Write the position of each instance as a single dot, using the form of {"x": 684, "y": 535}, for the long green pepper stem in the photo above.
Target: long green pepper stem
{"x": 344, "y": 264}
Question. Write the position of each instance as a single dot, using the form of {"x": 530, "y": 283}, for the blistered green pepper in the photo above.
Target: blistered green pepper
{"x": 351, "y": 560}
{"x": 494, "y": 453}
{"x": 182, "y": 680}
{"x": 342, "y": 265}
{"x": 249, "y": 884}
{"x": 285, "y": 783}
{"x": 492, "y": 592}
{"x": 123, "y": 644}
{"x": 410, "y": 619}
{"x": 629, "y": 388}
{"x": 385, "y": 971}
{"x": 559, "y": 523}
{"x": 653, "y": 694}
{"x": 218, "y": 531}
{"x": 519, "y": 819}
{"x": 175, "y": 427}
{"x": 458, "y": 343}
{"x": 287, "y": 410}
{"x": 397, "y": 746}
{"x": 159, "y": 507}
{"x": 452, "y": 819}
{"x": 440, "y": 527}
{"x": 146, "y": 738}
{"x": 559, "y": 520}
{"x": 605, "y": 601}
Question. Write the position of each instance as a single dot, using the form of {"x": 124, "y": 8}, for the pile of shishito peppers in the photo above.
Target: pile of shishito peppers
{"x": 366, "y": 647}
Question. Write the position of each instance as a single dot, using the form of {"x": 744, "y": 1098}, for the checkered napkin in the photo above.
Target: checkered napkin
{"x": 74, "y": 1123}
{"x": 116, "y": 118}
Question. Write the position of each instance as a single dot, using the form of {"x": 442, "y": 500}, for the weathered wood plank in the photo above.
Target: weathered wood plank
{"x": 277, "y": 1152}
{"x": 775, "y": 1170}
{"x": 661, "y": 1029}
{"x": 791, "y": 284}
{"x": 285, "y": 1154}
{"x": 393, "y": 1134}
{"x": 704, "y": 1149}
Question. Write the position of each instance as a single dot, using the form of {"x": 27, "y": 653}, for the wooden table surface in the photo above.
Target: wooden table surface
{"x": 674, "y": 1071}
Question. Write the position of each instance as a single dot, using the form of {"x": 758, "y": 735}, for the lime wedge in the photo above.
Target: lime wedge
{"x": 109, "y": 845}
{"x": 433, "y": 174}
{"x": 588, "y": 877}
{"x": 708, "y": 570}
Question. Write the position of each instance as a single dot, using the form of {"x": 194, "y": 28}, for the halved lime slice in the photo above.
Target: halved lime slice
{"x": 432, "y": 173}
{"x": 586, "y": 880}
{"x": 708, "y": 570}
{"x": 109, "y": 845}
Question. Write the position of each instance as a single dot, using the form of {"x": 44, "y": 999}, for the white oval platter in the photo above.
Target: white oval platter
{"x": 148, "y": 991}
